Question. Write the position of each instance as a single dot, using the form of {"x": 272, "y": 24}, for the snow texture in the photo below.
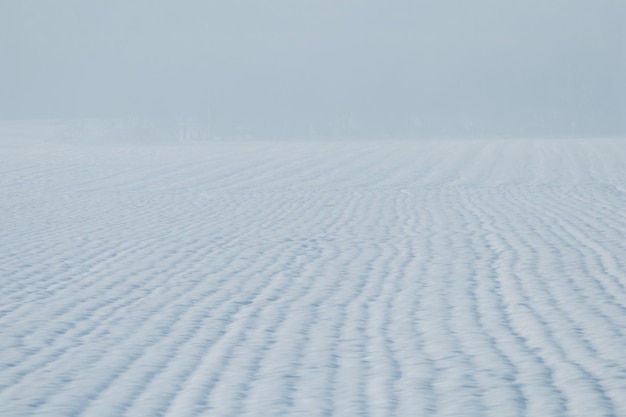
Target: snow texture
{"x": 448, "y": 278}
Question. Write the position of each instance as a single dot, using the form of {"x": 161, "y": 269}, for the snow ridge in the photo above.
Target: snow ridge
{"x": 260, "y": 278}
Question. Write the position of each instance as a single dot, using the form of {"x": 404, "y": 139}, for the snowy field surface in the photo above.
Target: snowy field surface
{"x": 447, "y": 278}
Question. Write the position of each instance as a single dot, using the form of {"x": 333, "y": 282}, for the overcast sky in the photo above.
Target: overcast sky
{"x": 296, "y": 67}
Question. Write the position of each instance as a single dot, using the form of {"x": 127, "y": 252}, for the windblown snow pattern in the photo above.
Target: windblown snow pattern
{"x": 345, "y": 278}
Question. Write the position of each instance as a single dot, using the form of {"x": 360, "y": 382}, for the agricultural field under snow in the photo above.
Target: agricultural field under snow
{"x": 345, "y": 278}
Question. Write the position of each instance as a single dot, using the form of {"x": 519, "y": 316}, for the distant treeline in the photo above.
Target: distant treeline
{"x": 193, "y": 129}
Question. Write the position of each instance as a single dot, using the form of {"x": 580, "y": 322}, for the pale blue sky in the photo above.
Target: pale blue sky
{"x": 279, "y": 67}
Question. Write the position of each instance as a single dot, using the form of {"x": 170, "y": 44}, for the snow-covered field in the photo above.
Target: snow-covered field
{"x": 469, "y": 278}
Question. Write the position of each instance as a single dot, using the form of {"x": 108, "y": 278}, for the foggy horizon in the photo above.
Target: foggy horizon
{"x": 322, "y": 68}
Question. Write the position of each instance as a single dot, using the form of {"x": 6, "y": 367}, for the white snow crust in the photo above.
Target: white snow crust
{"x": 259, "y": 278}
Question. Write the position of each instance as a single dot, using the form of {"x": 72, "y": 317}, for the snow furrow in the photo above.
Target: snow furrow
{"x": 254, "y": 278}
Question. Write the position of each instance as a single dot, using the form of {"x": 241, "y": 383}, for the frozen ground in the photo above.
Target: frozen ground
{"x": 480, "y": 278}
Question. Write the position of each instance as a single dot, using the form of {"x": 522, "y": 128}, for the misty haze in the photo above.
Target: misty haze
{"x": 314, "y": 208}
{"x": 322, "y": 68}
